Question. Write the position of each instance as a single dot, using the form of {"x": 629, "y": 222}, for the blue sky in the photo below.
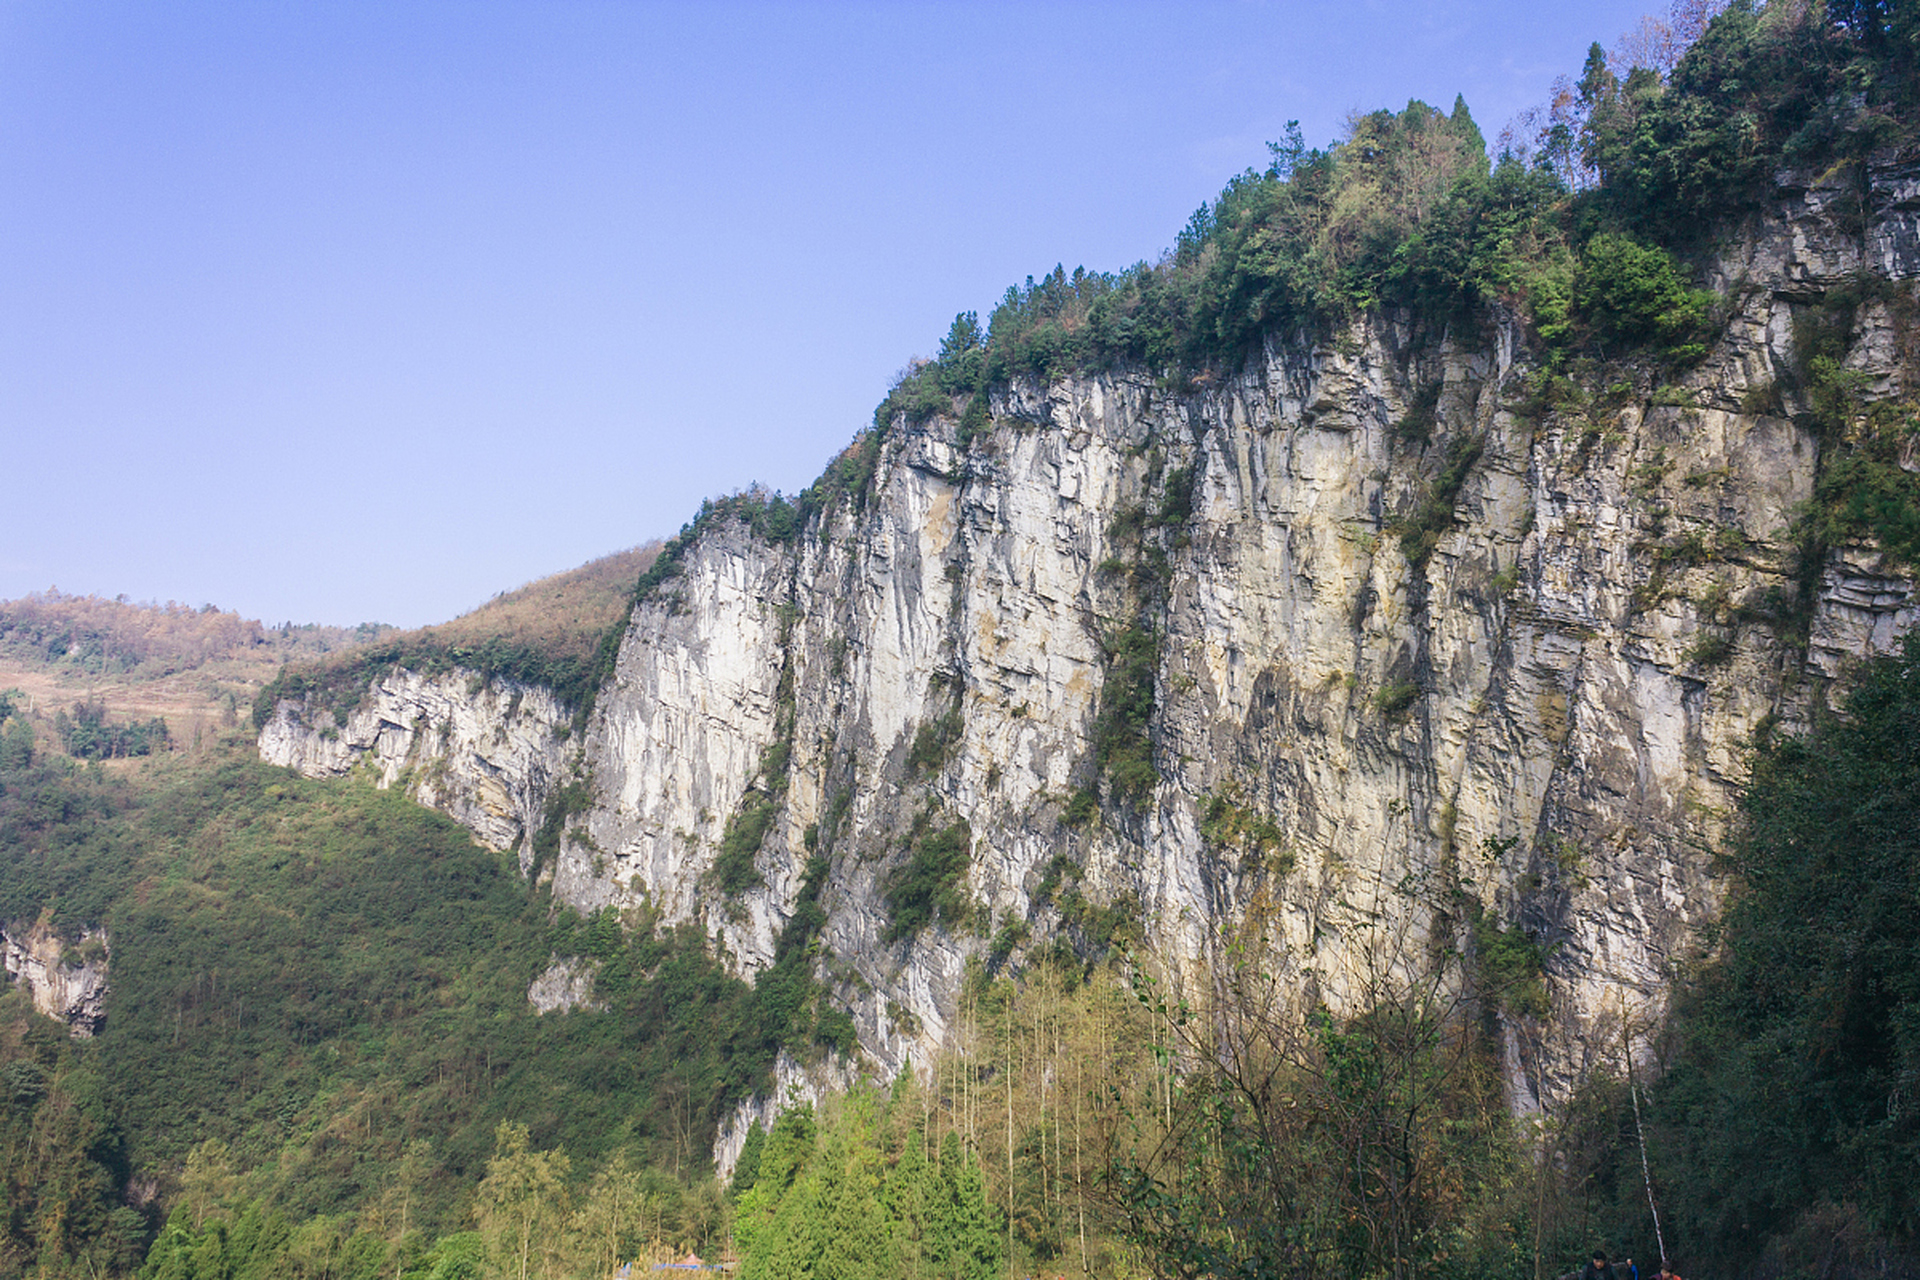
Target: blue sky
{"x": 348, "y": 312}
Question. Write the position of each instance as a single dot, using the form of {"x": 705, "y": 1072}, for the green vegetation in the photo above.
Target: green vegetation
{"x": 1432, "y": 516}
{"x": 1288, "y": 1140}
{"x": 1863, "y": 494}
{"x": 1122, "y": 744}
{"x": 61, "y": 1158}
{"x": 69, "y": 851}
{"x": 16, "y": 741}
{"x": 932, "y": 883}
{"x": 1395, "y": 699}
{"x": 1098, "y": 931}
{"x": 849, "y": 477}
{"x": 1082, "y": 807}
{"x": 1761, "y": 89}
{"x": 1228, "y": 824}
{"x": 1778, "y": 1139}
{"x": 795, "y": 1010}
{"x": 733, "y": 870}
{"x": 1780, "y": 1131}
{"x": 854, "y": 1193}
{"x": 87, "y": 735}
{"x": 561, "y": 632}
{"x": 1709, "y": 649}
{"x": 1509, "y": 965}
{"x": 1633, "y": 296}
{"x": 533, "y": 1216}
{"x": 1587, "y": 231}
{"x": 266, "y": 999}
{"x": 301, "y": 1076}
{"x": 327, "y": 1082}
{"x": 1416, "y": 426}
{"x": 766, "y": 514}
{"x": 935, "y": 739}
{"x": 568, "y": 801}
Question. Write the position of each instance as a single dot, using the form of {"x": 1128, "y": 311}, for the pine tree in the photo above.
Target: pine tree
{"x": 857, "y": 1240}
{"x": 911, "y": 1191}
{"x": 784, "y": 1159}
{"x": 964, "y": 1239}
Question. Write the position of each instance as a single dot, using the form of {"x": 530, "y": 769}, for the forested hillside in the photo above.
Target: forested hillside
{"x": 320, "y": 1056}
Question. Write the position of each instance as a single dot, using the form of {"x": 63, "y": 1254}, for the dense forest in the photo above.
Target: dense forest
{"x": 300, "y": 1077}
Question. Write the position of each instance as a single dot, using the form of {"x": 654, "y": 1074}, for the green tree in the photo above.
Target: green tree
{"x": 857, "y": 1239}
{"x": 460, "y": 1256}
{"x": 965, "y": 1236}
{"x": 1631, "y": 295}
{"x": 521, "y": 1203}
{"x": 746, "y": 1167}
{"x": 1801, "y": 1041}
{"x": 16, "y": 745}
{"x": 171, "y": 1257}
{"x": 605, "y": 1226}
{"x": 912, "y": 1190}
{"x": 788, "y": 1151}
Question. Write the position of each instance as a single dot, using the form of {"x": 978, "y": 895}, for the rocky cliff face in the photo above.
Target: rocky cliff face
{"x": 489, "y": 756}
{"x": 66, "y": 979}
{"x": 1419, "y": 642}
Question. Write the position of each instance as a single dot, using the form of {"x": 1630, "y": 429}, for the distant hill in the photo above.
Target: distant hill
{"x": 564, "y": 614}
{"x": 126, "y": 661}
{"x": 93, "y": 637}
{"x": 559, "y": 631}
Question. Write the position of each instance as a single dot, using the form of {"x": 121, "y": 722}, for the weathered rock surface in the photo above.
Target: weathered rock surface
{"x": 793, "y": 1082}
{"x": 66, "y": 978}
{"x": 1547, "y": 715}
{"x": 566, "y": 984}
{"x": 489, "y": 755}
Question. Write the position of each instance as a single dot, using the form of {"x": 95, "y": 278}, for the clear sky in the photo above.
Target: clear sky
{"x": 363, "y": 311}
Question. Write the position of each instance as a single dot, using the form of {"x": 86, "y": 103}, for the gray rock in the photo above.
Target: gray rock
{"x": 66, "y": 979}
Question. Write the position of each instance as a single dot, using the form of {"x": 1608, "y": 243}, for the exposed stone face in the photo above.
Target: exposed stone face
{"x": 793, "y": 1082}
{"x": 67, "y": 978}
{"x": 566, "y": 984}
{"x": 1893, "y": 237}
{"x": 1547, "y": 714}
{"x": 489, "y": 755}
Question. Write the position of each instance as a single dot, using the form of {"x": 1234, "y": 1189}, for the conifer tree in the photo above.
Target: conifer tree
{"x": 965, "y": 1241}
{"x": 856, "y": 1235}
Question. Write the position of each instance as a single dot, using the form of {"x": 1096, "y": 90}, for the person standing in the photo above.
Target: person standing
{"x": 1598, "y": 1268}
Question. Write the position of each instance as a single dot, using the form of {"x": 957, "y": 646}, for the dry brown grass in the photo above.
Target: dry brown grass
{"x": 200, "y": 669}
{"x": 195, "y": 667}
{"x": 564, "y": 614}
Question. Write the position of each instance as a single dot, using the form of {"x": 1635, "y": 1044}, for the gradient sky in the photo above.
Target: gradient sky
{"x": 347, "y": 312}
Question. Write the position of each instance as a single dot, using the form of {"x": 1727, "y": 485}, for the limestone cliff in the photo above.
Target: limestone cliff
{"x": 66, "y": 980}
{"x": 1418, "y": 641}
{"x": 488, "y": 756}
